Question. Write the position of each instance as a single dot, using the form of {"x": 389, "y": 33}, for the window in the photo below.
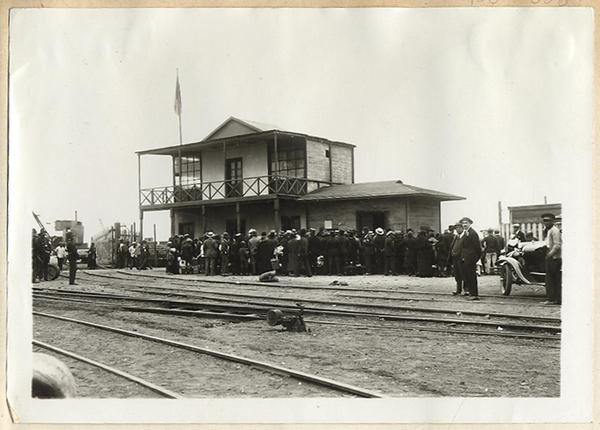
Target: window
{"x": 291, "y": 163}
{"x": 191, "y": 170}
{"x": 327, "y": 153}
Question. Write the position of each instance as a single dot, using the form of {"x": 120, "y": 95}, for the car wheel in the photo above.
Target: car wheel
{"x": 52, "y": 272}
{"x": 506, "y": 278}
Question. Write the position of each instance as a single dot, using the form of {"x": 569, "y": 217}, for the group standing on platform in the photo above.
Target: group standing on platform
{"x": 458, "y": 252}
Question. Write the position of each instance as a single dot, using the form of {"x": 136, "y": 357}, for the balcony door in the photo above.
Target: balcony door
{"x": 233, "y": 177}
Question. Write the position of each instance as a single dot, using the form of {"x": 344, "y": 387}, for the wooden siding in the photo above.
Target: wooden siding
{"x": 317, "y": 162}
{"x": 341, "y": 158}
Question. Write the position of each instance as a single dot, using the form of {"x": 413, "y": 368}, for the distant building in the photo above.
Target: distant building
{"x": 532, "y": 213}
{"x": 75, "y": 226}
{"x": 249, "y": 175}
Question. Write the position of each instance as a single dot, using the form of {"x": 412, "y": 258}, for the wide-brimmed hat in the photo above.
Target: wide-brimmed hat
{"x": 210, "y": 234}
{"x": 389, "y": 233}
{"x": 467, "y": 219}
{"x": 548, "y": 217}
{"x": 379, "y": 231}
{"x": 516, "y": 225}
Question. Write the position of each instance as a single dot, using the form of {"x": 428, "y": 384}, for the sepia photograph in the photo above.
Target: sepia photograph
{"x": 300, "y": 215}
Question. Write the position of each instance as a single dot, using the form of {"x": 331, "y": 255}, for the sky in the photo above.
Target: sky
{"x": 492, "y": 105}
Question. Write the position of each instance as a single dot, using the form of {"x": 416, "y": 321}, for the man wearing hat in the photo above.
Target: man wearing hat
{"x": 456, "y": 258}
{"x": 517, "y": 233}
{"x": 211, "y": 252}
{"x": 491, "y": 249}
{"x": 553, "y": 260}
{"x": 470, "y": 254}
{"x": 379, "y": 244}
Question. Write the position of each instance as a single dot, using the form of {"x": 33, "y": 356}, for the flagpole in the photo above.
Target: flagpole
{"x": 179, "y": 120}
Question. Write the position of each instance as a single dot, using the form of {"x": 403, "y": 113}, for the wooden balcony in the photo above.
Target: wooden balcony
{"x": 235, "y": 190}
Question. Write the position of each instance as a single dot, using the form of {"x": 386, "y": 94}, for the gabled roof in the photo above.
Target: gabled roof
{"x": 252, "y": 131}
{"x": 369, "y": 190}
{"x": 252, "y": 126}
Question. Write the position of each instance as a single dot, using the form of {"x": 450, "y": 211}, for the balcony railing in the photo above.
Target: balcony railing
{"x": 232, "y": 188}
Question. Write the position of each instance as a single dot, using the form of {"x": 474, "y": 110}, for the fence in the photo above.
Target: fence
{"x": 536, "y": 229}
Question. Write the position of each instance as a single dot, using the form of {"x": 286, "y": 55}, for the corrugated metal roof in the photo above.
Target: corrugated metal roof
{"x": 368, "y": 190}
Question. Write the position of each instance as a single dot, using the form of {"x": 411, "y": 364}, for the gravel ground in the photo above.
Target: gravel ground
{"x": 400, "y": 362}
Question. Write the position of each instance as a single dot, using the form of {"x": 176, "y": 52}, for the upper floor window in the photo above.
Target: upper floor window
{"x": 291, "y": 163}
{"x": 190, "y": 171}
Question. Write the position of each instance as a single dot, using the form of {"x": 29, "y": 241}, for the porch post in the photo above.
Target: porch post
{"x": 330, "y": 165}
{"x": 140, "y": 196}
{"x": 203, "y": 219}
{"x": 275, "y": 153}
{"x": 407, "y": 213}
{"x": 276, "y": 215}
{"x": 238, "y": 221}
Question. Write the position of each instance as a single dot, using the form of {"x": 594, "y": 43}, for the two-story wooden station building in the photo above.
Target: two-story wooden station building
{"x": 248, "y": 175}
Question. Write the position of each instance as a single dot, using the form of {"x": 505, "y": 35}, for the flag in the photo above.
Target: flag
{"x": 177, "y": 97}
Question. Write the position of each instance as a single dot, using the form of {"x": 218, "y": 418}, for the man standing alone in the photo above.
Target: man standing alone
{"x": 553, "y": 261}
{"x": 72, "y": 256}
{"x": 455, "y": 255}
{"x": 470, "y": 254}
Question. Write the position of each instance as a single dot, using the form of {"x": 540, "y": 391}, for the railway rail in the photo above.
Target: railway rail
{"x": 254, "y": 317}
{"x": 164, "y": 392}
{"x": 274, "y": 369}
{"x": 387, "y": 307}
{"x": 404, "y": 290}
{"x": 254, "y": 312}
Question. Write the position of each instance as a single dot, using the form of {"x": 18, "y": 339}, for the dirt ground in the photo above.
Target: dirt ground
{"x": 398, "y": 362}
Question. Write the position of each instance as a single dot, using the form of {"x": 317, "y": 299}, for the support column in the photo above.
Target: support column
{"x": 203, "y": 219}
{"x": 275, "y": 153}
{"x": 140, "y": 197}
{"x": 407, "y": 213}
{"x": 330, "y": 165}
{"x": 276, "y": 214}
{"x": 238, "y": 221}
{"x": 172, "y": 213}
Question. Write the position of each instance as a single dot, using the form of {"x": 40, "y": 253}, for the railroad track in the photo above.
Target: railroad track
{"x": 254, "y": 317}
{"x": 331, "y": 384}
{"x": 162, "y": 391}
{"x": 247, "y": 311}
{"x": 513, "y": 298}
{"x": 218, "y": 295}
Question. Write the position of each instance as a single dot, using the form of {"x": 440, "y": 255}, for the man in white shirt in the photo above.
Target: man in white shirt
{"x": 553, "y": 261}
{"x": 61, "y": 254}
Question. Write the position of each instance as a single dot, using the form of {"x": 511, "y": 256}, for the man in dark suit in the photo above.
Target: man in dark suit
{"x": 470, "y": 253}
{"x": 456, "y": 258}
{"x": 72, "y": 256}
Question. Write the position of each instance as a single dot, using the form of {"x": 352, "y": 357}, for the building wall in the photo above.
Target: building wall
{"x": 260, "y": 215}
{"x": 421, "y": 212}
{"x": 532, "y": 213}
{"x": 424, "y": 213}
{"x": 257, "y": 215}
{"x": 341, "y": 164}
{"x": 254, "y": 160}
{"x": 318, "y": 163}
{"x": 343, "y": 213}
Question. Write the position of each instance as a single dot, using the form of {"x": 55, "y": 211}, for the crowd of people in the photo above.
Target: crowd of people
{"x": 329, "y": 252}
{"x": 133, "y": 255}
{"x": 458, "y": 252}
{"x": 42, "y": 250}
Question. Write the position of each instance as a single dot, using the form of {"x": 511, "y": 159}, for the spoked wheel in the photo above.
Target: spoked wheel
{"x": 506, "y": 277}
{"x": 52, "y": 272}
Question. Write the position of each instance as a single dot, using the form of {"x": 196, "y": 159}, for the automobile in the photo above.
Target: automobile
{"x": 522, "y": 263}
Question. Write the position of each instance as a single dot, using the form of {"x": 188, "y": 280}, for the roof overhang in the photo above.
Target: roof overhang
{"x": 249, "y": 138}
